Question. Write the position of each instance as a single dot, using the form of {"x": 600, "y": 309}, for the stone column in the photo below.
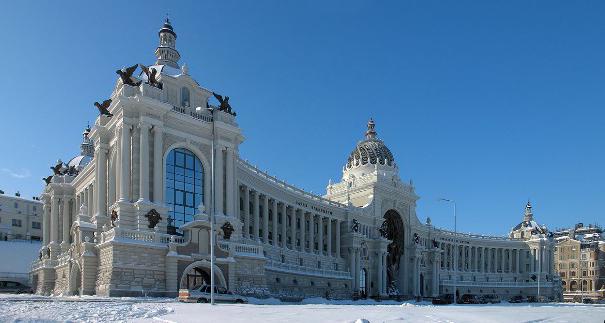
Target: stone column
{"x": 379, "y": 272}
{"x": 46, "y": 223}
{"x": 66, "y": 224}
{"x": 311, "y": 232}
{"x": 488, "y": 256}
{"x": 274, "y": 212}
{"x": 329, "y": 236}
{"x": 320, "y": 235}
{"x": 357, "y": 265}
{"x": 518, "y": 265}
{"x": 463, "y": 262}
{"x": 338, "y": 239}
{"x": 218, "y": 182}
{"x": 352, "y": 266}
{"x": 246, "y": 212}
{"x": 503, "y": 259}
{"x": 284, "y": 224}
{"x": 384, "y": 273}
{"x": 510, "y": 260}
{"x": 125, "y": 164}
{"x": 54, "y": 220}
{"x": 158, "y": 165}
{"x": 266, "y": 219}
{"x": 144, "y": 162}
{"x": 101, "y": 180}
{"x": 302, "y": 230}
{"x": 229, "y": 185}
{"x": 256, "y": 230}
{"x": 293, "y": 227}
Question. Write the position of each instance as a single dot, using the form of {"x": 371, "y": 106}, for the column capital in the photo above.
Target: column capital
{"x": 144, "y": 125}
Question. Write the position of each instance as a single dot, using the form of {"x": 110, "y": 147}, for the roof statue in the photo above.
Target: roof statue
{"x": 104, "y": 108}
{"x": 126, "y": 75}
{"x": 152, "y": 74}
{"x": 224, "y": 103}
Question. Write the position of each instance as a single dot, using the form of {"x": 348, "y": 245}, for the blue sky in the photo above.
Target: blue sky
{"x": 485, "y": 102}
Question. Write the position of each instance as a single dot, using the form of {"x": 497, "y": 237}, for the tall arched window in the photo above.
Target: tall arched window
{"x": 185, "y": 101}
{"x": 184, "y": 187}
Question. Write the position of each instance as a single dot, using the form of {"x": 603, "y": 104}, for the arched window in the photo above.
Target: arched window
{"x": 185, "y": 102}
{"x": 184, "y": 187}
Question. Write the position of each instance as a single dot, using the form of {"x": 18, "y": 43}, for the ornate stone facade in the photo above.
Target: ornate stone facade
{"x": 363, "y": 238}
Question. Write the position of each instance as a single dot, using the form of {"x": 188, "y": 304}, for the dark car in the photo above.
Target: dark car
{"x": 490, "y": 298}
{"x": 443, "y": 300}
{"x": 517, "y": 299}
{"x": 588, "y": 301}
{"x": 14, "y": 287}
{"x": 470, "y": 299}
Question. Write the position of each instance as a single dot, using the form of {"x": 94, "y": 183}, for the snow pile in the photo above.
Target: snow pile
{"x": 78, "y": 311}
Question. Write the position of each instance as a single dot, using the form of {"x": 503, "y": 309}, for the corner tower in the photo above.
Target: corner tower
{"x": 166, "y": 52}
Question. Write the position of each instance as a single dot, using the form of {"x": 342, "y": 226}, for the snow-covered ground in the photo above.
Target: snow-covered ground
{"x": 93, "y": 309}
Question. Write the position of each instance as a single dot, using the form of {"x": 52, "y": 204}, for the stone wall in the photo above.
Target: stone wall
{"x": 135, "y": 270}
{"x": 247, "y": 276}
{"x": 294, "y": 285}
{"x": 61, "y": 280}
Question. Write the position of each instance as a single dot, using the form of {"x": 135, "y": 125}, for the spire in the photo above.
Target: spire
{"x": 529, "y": 215}
{"x": 166, "y": 52}
{"x": 87, "y": 148}
{"x": 371, "y": 133}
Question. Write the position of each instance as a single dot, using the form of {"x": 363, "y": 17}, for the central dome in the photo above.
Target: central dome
{"x": 370, "y": 151}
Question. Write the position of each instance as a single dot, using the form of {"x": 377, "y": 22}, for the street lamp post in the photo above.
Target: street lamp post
{"x": 213, "y": 199}
{"x": 455, "y": 253}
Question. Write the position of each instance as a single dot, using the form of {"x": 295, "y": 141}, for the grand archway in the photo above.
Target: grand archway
{"x": 198, "y": 274}
{"x": 393, "y": 230}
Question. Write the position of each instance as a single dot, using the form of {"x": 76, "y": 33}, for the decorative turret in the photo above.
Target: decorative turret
{"x": 166, "y": 52}
{"x": 529, "y": 215}
{"x": 371, "y": 133}
{"x": 87, "y": 148}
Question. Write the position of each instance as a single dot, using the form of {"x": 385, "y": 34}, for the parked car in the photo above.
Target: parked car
{"x": 14, "y": 287}
{"x": 443, "y": 299}
{"x": 588, "y": 301}
{"x": 470, "y": 299}
{"x": 517, "y": 299}
{"x": 202, "y": 295}
{"x": 490, "y": 298}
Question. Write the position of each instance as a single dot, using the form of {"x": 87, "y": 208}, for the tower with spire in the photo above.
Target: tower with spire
{"x": 166, "y": 52}
{"x": 529, "y": 215}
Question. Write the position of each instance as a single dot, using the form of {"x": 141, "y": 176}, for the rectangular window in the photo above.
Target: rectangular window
{"x": 36, "y": 225}
{"x": 16, "y": 223}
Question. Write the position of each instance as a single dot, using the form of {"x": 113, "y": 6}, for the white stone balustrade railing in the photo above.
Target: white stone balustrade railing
{"x": 467, "y": 235}
{"x": 240, "y": 249}
{"x": 285, "y": 185}
{"x": 137, "y": 235}
{"x": 495, "y": 284}
{"x": 301, "y": 270}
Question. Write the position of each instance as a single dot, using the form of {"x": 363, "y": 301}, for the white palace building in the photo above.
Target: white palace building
{"x": 129, "y": 215}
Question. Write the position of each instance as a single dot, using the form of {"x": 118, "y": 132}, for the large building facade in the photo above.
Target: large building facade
{"x": 132, "y": 217}
{"x": 580, "y": 262}
{"x": 20, "y": 218}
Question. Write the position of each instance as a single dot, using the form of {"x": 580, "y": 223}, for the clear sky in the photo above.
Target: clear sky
{"x": 485, "y": 102}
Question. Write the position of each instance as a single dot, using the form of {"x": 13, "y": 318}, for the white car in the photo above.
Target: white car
{"x": 202, "y": 295}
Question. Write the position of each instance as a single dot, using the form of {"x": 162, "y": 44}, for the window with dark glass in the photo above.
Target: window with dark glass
{"x": 184, "y": 187}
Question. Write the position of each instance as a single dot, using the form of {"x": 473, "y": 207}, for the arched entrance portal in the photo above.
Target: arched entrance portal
{"x": 393, "y": 230}
{"x": 198, "y": 274}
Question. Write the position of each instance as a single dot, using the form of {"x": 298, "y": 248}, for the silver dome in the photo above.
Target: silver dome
{"x": 370, "y": 151}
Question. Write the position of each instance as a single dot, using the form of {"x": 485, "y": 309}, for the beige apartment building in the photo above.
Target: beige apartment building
{"x": 20, "y": 218}
{"x": 580, "y": 261}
